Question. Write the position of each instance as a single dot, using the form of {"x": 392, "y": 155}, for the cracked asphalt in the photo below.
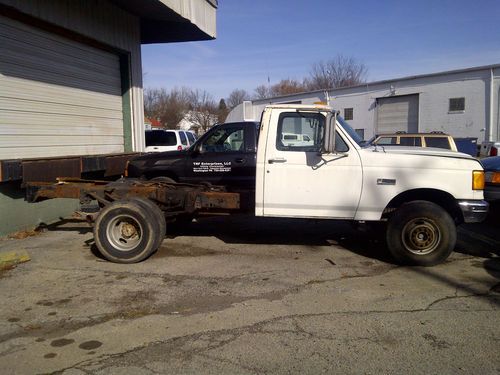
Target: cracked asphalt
{"x": 246, "y": 295}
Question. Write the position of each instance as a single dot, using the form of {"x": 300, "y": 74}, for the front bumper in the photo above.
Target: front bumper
{"x": 474, "y": 211}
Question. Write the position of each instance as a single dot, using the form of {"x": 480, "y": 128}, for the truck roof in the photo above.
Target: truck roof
{"x": 321, "y": 107}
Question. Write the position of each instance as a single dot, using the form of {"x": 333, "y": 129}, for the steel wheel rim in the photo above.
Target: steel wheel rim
{"x": 421, "y": 236}
{"x": 124, "y": 233}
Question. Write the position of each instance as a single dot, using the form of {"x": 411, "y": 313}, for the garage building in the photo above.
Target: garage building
{"x": 463, "y": 103}
{"x": 71, "y": 96}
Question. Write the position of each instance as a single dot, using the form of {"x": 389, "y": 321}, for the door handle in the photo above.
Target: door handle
{"x": 276, "y": 160}
{"x": 239, "y": 160}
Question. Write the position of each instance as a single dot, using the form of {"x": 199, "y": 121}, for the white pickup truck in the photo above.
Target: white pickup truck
{"x": 420, "y": 194}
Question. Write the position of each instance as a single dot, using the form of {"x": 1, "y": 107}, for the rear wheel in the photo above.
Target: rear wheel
{"x": 158, "y": 216}
{"x": 127, "y": 232}
{"x": 421, "y": 233}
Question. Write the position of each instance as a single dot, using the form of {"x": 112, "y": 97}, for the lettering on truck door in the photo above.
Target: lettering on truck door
{"x": 223, "y": 157}
{"x": 299, "y": 181}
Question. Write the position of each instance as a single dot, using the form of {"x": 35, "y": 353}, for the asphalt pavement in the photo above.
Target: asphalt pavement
{"x": 243, "y": 295}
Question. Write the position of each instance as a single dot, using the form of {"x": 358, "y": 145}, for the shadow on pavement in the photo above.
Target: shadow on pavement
{"x": 279, "y": 231}
{"x": 480, "y": 240}
{"x": 63, "y": 225}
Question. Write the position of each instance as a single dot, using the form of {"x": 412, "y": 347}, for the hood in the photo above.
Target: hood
{"x": 425, "y": 151}
{"x": 491, "y": 164}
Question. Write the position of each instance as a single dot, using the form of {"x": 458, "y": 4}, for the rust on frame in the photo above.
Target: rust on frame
{"x": 219, "y": 200}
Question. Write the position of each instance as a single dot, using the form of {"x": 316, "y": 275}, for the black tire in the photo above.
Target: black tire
{"x": 421, "y": 233}
{"x": 158, "y": 215}
{"x": 126, "y": 232}
{"x": 168, "y": 180}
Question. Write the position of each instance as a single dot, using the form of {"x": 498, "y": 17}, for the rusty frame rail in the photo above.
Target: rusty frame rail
{"x": 172, "y": 198}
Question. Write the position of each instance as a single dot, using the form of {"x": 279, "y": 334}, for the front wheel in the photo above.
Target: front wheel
{"x": 127, "y": 232}
{"x": 421, "y": 233}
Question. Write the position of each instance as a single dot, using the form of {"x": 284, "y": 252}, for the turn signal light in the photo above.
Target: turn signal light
{"x": 477, "y": 180}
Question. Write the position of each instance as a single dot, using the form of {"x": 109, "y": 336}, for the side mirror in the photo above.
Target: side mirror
{"x": 328, "y": 146}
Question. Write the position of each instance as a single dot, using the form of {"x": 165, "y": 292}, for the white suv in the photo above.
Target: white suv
{"x": 168, "y": 140}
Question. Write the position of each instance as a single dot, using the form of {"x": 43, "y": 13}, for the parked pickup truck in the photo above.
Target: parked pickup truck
{"x": 420, "y": 194}
{"x": 489, "y": 148}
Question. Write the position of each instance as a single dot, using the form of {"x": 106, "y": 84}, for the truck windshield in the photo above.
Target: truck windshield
{"x": 352, "y": 133}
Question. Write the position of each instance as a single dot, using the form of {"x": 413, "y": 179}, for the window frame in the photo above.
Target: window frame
{"x": 415, "y": 138}
{"x": 446, "y": 139}
{"x": 349, "y": 110}
{"x": 279, "y": 132}
{"x": 190, "y": 137}
{"x": 183, "y": 138}
{"x": 451, "y": 110}
{"x": 228, "y": 131}
{"x": 362, "y": 130}
{"x": 152, "y": 137}
{"x": 392, "y": 138}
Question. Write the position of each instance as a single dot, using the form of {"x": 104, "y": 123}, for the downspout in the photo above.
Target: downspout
{"x": 491, "y": 123}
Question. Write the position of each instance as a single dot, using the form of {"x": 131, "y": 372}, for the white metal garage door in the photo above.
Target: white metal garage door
{"x": 397, "y": 113}
{"x": 57, "y": 96}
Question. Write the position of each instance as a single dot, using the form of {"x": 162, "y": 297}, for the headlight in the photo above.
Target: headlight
{"x": 477, "y": 180}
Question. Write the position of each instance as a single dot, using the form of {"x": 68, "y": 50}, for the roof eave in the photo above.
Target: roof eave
{"x": 166, "y": 21}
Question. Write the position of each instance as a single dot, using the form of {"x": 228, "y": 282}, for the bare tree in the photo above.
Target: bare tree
{"x": 170, "y": 107}
{"x": 286, "y": 87}
{"x": 203, "y": 113}
{"x": 341, "y": 71}
{"x": 262, "y": 92}
{"x": 222, "y": 111}
{"x": 236, "y": 97}
{"x": 153, "y": 101}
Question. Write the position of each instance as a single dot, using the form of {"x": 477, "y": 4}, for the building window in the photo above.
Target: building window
{"x": 457, "y": 105}
{"x": 348, "y": 113}
{"x": 360, "y": 132}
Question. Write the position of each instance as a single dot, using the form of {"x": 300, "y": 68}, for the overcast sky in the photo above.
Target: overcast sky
{"x": 257, "y": 39}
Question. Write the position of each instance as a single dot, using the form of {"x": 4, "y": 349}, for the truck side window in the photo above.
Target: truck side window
{"x": 439, "y": 142}
{"x": 300, "y": 131}
{"x": 410, "y": 141}
{"x": 183, "y": 138}
{"x": 387, "y": 141}
{"x": 224, "y": 140}
{"x": 340, "y": 145}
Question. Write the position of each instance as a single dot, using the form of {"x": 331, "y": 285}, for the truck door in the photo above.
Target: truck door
{"x": 225, "y": 156}
{"x": 299, "y": 181}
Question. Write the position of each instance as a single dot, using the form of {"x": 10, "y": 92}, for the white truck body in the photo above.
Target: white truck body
{"x": 357, "y": 184}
